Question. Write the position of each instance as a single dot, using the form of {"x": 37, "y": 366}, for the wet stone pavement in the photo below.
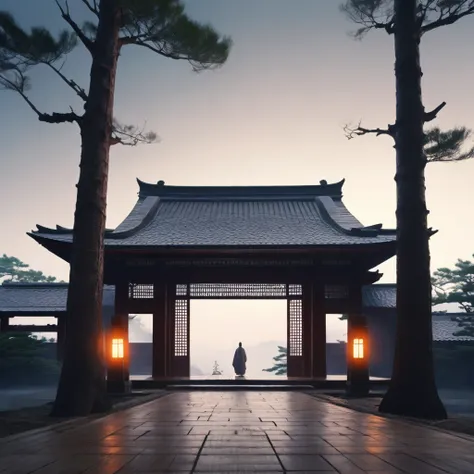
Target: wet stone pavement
{"x": 219, "y": 432}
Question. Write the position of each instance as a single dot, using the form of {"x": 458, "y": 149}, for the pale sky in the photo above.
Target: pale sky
{"x": 272, "y": 115}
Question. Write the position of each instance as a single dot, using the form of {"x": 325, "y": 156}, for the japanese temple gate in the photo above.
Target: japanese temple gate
{"x": 297, "y": 243}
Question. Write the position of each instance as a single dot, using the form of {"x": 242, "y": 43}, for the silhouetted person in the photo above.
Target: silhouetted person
{"x": 240, "y": 359}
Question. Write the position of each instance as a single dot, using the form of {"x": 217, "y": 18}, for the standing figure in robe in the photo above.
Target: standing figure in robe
{"x": 240, "y": 360}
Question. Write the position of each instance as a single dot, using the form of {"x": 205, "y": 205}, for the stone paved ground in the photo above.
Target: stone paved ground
{"x": 239, "y": 432}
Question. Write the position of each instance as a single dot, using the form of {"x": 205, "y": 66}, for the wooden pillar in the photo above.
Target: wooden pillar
{"x": 118, "y": 357}
{"x": 170, "y": 329}
{"x": 160, "y": 341}
{"x": 357, "y": 346}
{"x": 295, "y": 336}
{"x": 319, "y": 365}
{"x": 178, "y": 329}
{"x": 307, "y": 325}
{"x": 61, "y": 336}
{"x": 4, "y": 324}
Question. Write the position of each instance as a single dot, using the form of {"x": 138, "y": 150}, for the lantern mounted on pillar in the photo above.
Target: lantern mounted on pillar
{"x": 358, "y": 348}
{"x": 117, "y": 348}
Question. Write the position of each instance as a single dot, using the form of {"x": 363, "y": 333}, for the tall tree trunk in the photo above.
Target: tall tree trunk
{"x": 413, "y": 389}
{"x": 82, "y": 387}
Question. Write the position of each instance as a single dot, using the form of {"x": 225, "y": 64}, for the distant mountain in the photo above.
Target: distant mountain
{"x": 138, "y": 332}
{"x": 195, "y": 370}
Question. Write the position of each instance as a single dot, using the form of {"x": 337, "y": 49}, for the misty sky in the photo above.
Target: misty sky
{"x": 272, "y": 115}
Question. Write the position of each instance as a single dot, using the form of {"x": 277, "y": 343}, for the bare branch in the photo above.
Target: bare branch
{"x": 54, "y": 117}
{"x": 80, "y": 34}
{"x": 130, "y": 135}
{"x": 429, "y": 116}
{"x": 92, "y": 7}
{"x": 372, "y": 14}
{"x": 431, "y": 14}
{"x": 352, "y": 132}
{"x": 19, "y": 83}
{"x": 72, "y": 84}
{"x": 449, "y": 16}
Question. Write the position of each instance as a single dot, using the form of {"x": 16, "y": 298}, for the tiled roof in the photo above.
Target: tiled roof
{"x": 444, "y": 328}
{"x": 38, "y": 298}
{"x": 382, "y": 295}
{"x": 177, "y": 216}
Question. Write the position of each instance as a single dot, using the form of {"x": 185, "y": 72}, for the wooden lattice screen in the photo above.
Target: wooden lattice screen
{"x": 336, "y": 292}
{"x": 179, "y": 350}
{"x": 295, "y": 328}
{"x": 140, "y": 291}
{"x": 181, "y": 328}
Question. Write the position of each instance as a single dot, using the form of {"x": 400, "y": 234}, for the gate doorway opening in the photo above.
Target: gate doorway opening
{"x": 336, "y": 345}
{"x": 298, "y": 315}
{"x": 140, "y": 338}
{"x": 217, "y": 326}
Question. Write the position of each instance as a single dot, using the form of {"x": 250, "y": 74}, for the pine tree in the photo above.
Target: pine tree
{"x": 161, "y": 26}
{"x": 457, "y": 286}
{"x": 280, "y": 362}
{"x": 412, "y": 390}
{"x": 13, "y": 269}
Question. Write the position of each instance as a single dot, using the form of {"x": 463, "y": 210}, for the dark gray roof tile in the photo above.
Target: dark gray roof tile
{"x": 35, "y": 298}
{"x": 382, "y": 295}
{"x": 444, "y": 328}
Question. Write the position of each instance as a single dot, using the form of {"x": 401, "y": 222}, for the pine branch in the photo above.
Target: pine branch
{"x": 165, "y": 29}
{"x": 141, "y": 40}
{"x": 80, "y": 34}
{"x": 442, "y": 146}
{"x": 359, "y": 131}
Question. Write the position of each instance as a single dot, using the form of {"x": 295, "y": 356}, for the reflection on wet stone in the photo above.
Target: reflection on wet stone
{"x": 219, "y": 432}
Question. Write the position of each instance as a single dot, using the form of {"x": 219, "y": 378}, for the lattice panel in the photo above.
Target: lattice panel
{"x": 140, "y": 291}
{"x": 295, "y": 327}
{"x": 237, "y": 290}
{"x": 295, "y": 290}
{"x": 181, "y": 328}
{"x": 336, "y": 292}
{"x": 181, "y": 290}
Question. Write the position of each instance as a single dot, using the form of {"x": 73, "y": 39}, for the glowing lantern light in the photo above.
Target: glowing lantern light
{"x": 358, "y": 348}
{"x": 117, "y": 348}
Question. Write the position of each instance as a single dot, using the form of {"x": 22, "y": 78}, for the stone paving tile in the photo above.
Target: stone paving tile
{"x": 220, "y": 432}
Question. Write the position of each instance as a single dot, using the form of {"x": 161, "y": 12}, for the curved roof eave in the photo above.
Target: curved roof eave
{"x": 50, "y": 242}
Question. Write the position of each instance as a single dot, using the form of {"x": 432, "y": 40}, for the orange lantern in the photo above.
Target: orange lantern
{"x": 358, "y": 348}
{"x": 117, "y": 348}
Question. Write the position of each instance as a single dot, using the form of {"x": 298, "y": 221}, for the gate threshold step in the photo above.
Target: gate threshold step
{"x": 252, "y": 387}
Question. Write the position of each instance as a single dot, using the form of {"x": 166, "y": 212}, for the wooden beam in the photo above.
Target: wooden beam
{"x": 32, "y": 328}
{"x": 239, "y": 274}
